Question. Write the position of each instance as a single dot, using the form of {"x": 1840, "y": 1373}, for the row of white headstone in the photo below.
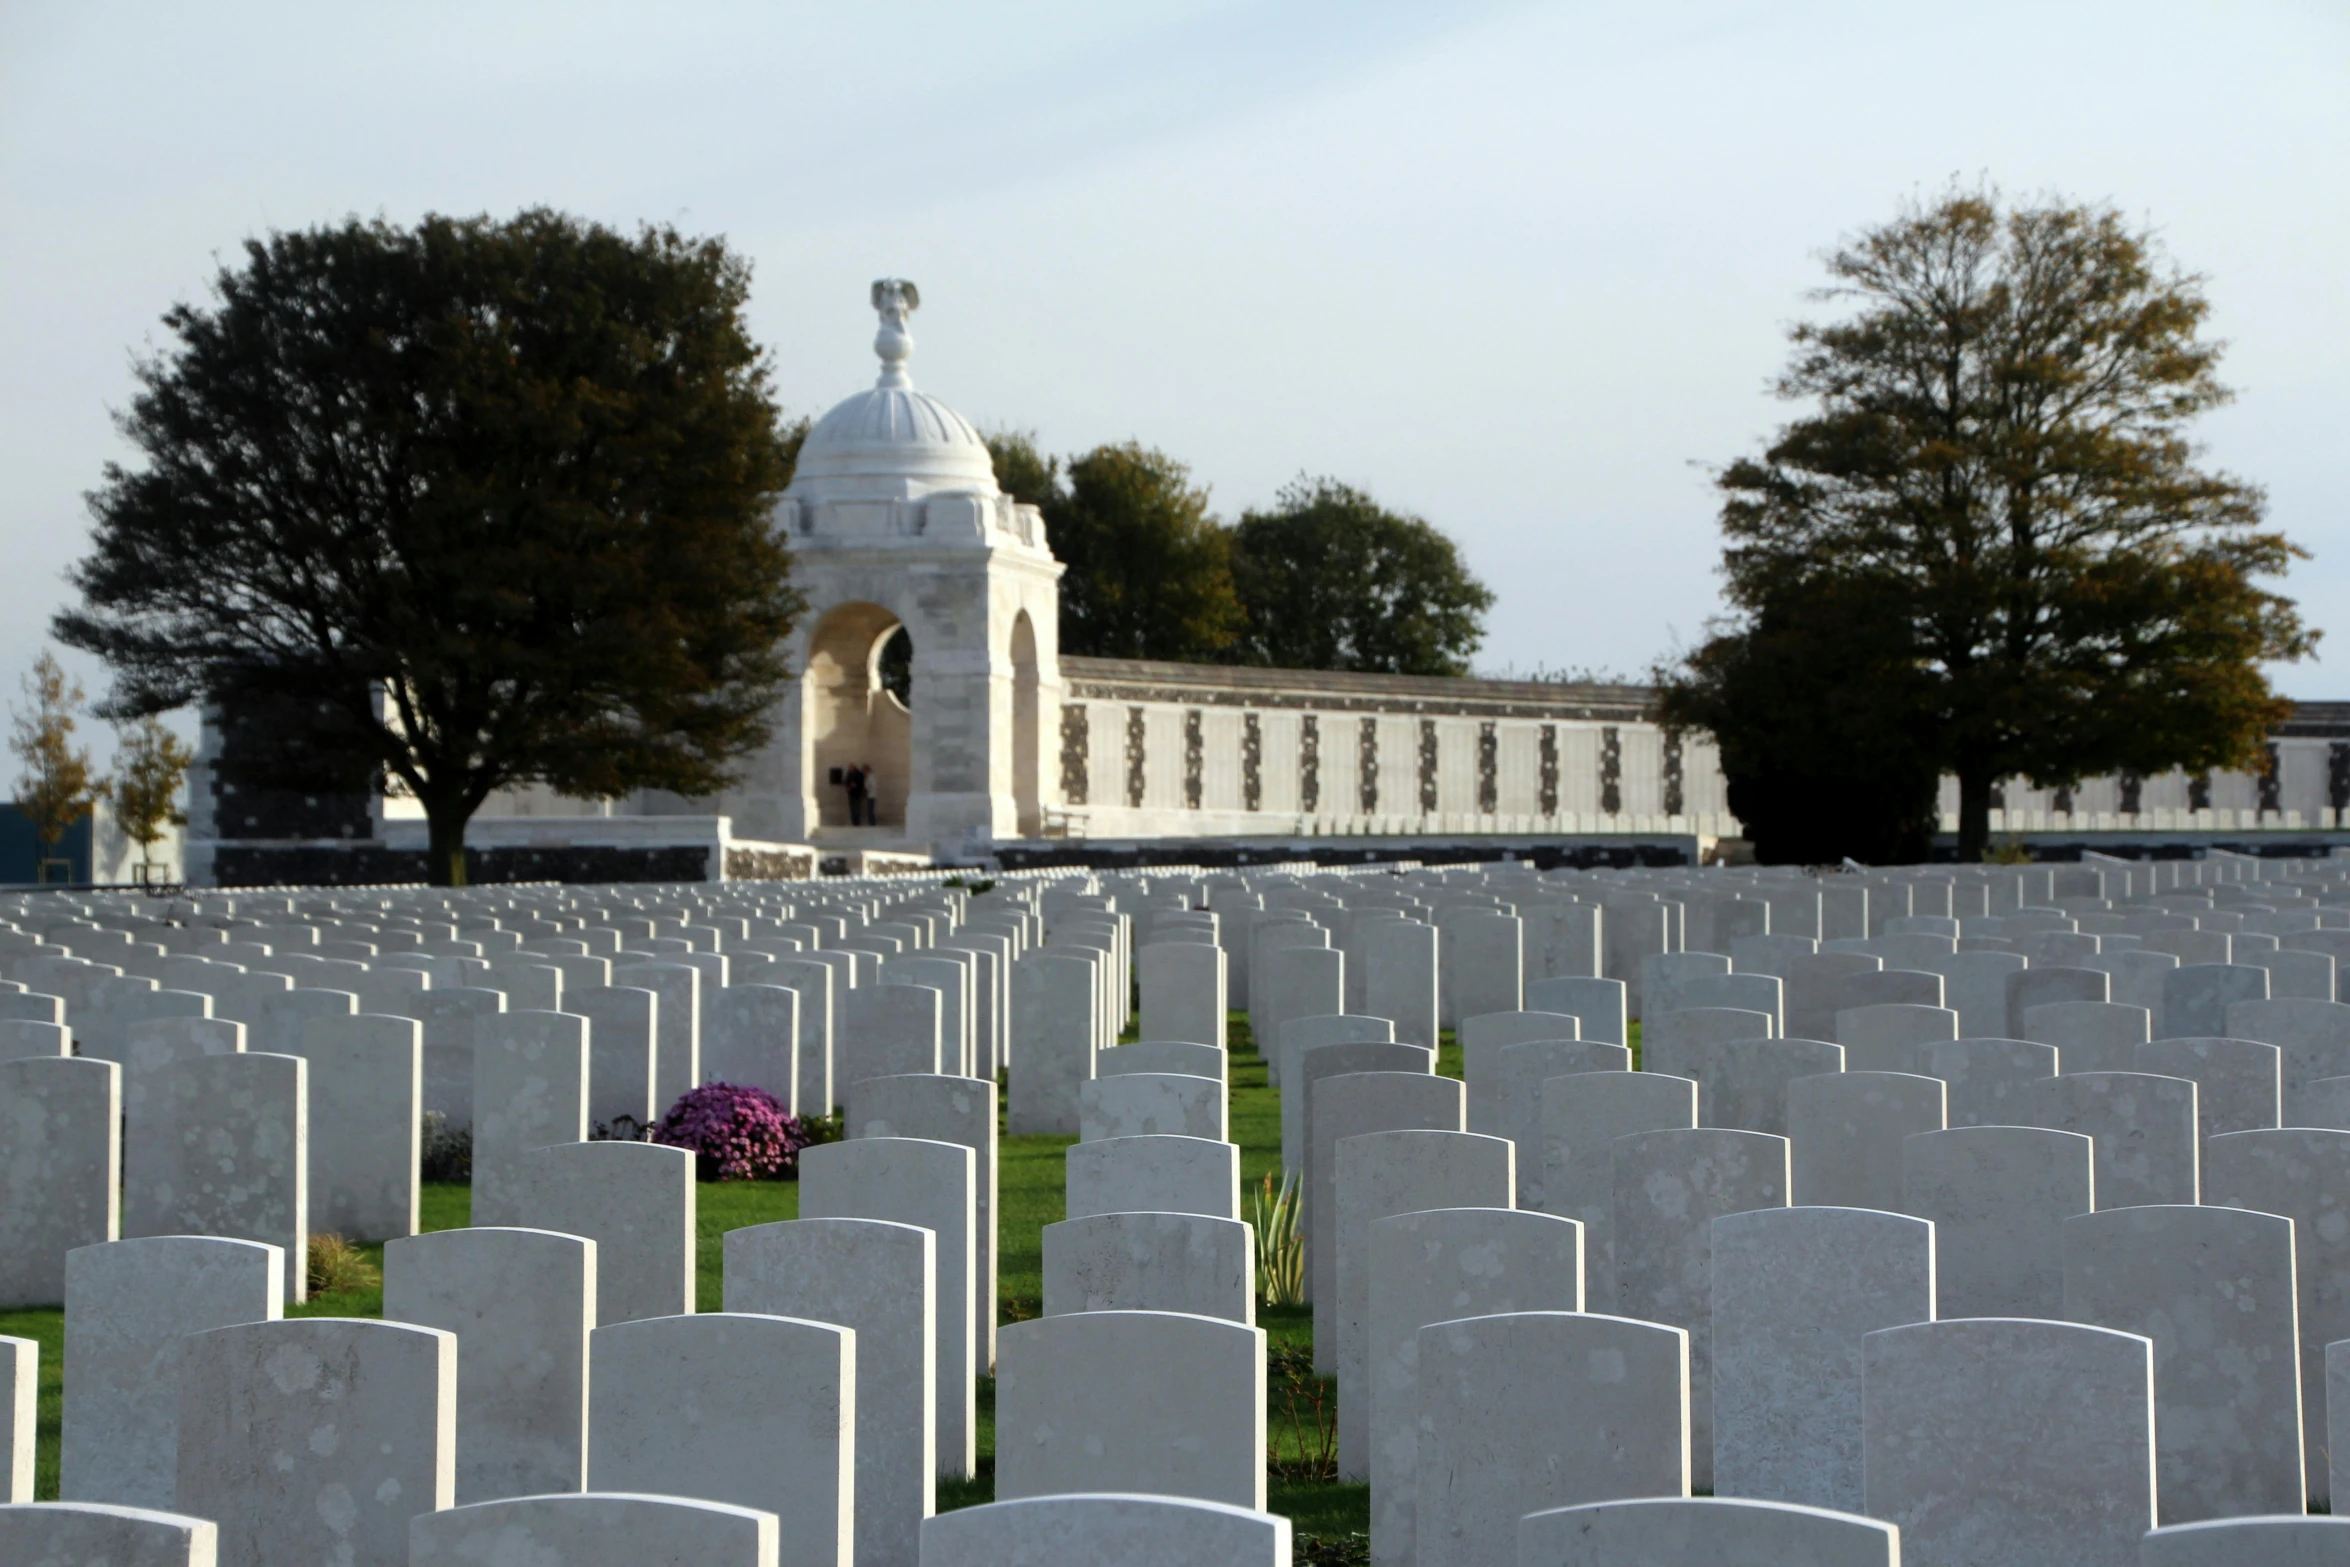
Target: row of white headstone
{"x": 1373, "y": 1181}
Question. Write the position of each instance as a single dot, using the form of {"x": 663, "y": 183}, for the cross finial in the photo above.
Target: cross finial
{"x": 895, "y": 299}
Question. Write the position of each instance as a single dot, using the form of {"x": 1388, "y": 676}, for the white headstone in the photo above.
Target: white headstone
{"x": 754, "y": 1411}
{"x": 2010, "y": 1441}
{"x": 879, "y": 1280}
{"x": 522, "y": 1304}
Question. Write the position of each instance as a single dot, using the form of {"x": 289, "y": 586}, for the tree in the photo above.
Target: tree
{"x": 1023, "y": 472}
{"x": 1998, "y": 463}
{"x": 1332, "y": 580}
{"x": 56, "y": 788}
{"x": 487, "y": 500}
{"x": 150, "y": 764}
{"x": 1150, "y": 571}
{"x": 1819, "y": 709}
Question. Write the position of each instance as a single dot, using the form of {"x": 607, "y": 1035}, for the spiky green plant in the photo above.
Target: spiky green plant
{"x": 1281, "y": 1245}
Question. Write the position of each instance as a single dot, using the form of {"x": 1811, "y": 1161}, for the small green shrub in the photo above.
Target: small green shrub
{"x": 336, "y": 1264}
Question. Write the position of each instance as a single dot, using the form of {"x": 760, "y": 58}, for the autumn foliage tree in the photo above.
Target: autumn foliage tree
{"x": 1997, "y": 471}
{"x": 486, "y": 501}
{"x": 55, "y": 788}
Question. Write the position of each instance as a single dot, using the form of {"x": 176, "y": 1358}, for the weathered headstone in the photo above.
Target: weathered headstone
{"x": 1952, "y": 1458}
{"x": 128, "y": 1304}
{"x": 241, "y": 1154}
{"x": 1152, "y": 1175}
{"x": 636, "y": 1202}
{"x": 879, "y": 1280}
{"x": 317, "y": 1440}
{"x": 1746, "y": 1080}
{"x": 946, "y": 1110}
{"x": 912, "y": 1180}
{"x": 1150, "y": 1104}
{"x": 1440, "y": 1266}
{"x": 1528, "y": 1411}
{"x": 1381, "y": 1174}
{"x": 1703, "y": 1531}
{"x": 2039, "y": 987}
{"x": 530, "y": 1090}
{"x": 1845, "y": 1129}
{"x": 2090, "y": 1036}
{"x": 2144, "y": 1127}
{"x": 2312, "y": 1037}
{"x": 1892, "y": 1036}
{"x": 1597, "y": 1003}
{"x": 1998, "y": 1197}
{"x": 1182, "y": 992}
{"x": 750, "y": 1037}
{"x": 1053, "y": 1029}
{"x": 1351, "y": 1105}
{"x": 2196, "y": 998}
{"x": 1670, "y": 1187}
{"x": 596, "y": 1530}
{"x": 1182, "y": 1262}
{"x": 1154, "y": 1402}
{"x": 2236, "y": 1080}
{"x": 1582, "y": 1116}
{"x": 2232, "y": 1542}
{"x": 95, "y": 1534}
{"x": 1794, "y": 1291}
{"x": 2300, "y": 1174}
{"x": 1989, "y": 1078}
{"x": 2213, "y": 1289}
{"x": 522, "y": 1304}
{"x": 751, "y": 1410}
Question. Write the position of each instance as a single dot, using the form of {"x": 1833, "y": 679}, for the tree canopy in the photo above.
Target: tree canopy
{"x": 488, "y": 498}
{"x": 1325, "y": 579}
{"x": 1996, "y": 472}
{"x": 1330, "y": 579}
{"x": 56, "y": 788}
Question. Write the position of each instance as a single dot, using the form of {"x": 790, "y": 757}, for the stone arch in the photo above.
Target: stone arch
{"x": 1027, "y": 747}
{"x": 853, "y": 718}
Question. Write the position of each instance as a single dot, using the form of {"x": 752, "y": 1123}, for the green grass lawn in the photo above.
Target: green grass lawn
{"x": 1301, "y": 1409}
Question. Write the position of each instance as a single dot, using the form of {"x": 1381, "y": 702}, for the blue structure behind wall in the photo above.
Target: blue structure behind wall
{"x": 20, "y": 851}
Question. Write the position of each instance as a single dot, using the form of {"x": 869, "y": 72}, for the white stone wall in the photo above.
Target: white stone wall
{"x": 1148, "y": 750}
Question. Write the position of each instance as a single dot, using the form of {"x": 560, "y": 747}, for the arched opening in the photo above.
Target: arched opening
{"x": 1027, "y": 749}
{"x": 856, "y": 721}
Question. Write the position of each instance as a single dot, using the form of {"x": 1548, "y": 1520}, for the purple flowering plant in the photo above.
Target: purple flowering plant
{"x": 735, "y": 1133}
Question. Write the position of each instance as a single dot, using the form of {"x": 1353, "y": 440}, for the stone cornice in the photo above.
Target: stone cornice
{"x": 1332, "y": 691}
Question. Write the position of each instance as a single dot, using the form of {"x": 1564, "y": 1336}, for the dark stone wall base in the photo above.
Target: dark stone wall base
{"x": 368, "y": 864}
{"x": 1107, "y": 854}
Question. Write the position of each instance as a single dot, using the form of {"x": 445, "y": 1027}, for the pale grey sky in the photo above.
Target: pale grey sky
{"x": 1522, "y": 268}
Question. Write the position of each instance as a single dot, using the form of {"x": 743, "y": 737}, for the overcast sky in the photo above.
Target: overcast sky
{"x": 1524, "y": 269}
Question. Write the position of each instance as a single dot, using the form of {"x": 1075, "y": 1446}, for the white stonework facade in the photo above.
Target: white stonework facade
{"x": 896, "y": 524}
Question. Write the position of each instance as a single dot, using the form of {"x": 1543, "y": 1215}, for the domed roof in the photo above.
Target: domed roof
{"x": 892, "y": 443}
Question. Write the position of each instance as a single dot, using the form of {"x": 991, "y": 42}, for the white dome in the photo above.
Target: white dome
{"x": 892, "y": 443}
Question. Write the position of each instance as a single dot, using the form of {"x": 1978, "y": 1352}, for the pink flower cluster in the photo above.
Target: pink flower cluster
{"x": 735, "y": 1133}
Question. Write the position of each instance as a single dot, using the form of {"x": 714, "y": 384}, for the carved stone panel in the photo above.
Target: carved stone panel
{"x": 1367, "y": 764}
{"x": 1252, "y": 762}
{"x": 1549, "y": 753}
{"x": 1309, "y": 763}
{"x": 1074, "y": 742}
{"x": 1488, "y": 769}
{"x": 2133, "y": 790}
{"x": 1194, "y": 759}
{"x": 2269, "y": 797}
{"x": 1673, "y": 773}
{"x": 2338, "y": 775}
{"x": 2199, "y": 792}
{"x": 1136, "y": 730}
{"x": 1611, "y": 770}
{"x": 1427, "y": 764}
